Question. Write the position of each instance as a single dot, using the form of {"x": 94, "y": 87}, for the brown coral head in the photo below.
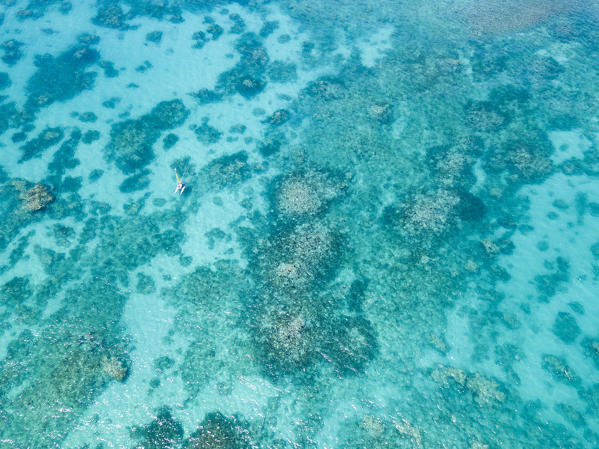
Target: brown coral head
{"x": 37, "y": 198}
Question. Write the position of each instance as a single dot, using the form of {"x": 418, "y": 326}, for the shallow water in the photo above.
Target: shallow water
{"x": 389, "y": 236}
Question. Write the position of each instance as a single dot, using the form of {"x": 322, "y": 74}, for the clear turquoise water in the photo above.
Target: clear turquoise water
{"x": 389, "y": 236}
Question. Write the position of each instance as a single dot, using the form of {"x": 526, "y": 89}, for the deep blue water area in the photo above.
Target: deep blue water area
{"x": 388, "y": 235}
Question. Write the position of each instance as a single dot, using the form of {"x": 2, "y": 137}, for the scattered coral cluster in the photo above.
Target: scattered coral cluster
{"x": 383, "y": 196}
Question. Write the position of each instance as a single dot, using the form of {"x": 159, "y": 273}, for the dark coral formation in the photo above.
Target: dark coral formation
{"x": 61, "y": 370}
{"x": 278, "y": 117}
{"x": 227, "y": 171}
{"x": 12, "y": 51}
{"x": 247, "y": 77}
{"x": 154, "y": 36}
{"x": 288, "y": 340}
{"x": 207, "y": 134}
{"x": 36, "y": 146}
{"x": 217, "y": 431}
{"x": 110, "y": 14}
{"x": 22, "y": 202}
{"x": 131, "y": 141}
{"x": 164, "y": 432}
{"x": 4, "y": 80}
{"x": 62, "y": 77}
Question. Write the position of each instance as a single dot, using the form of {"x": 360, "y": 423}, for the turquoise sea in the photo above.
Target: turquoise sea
{"x": 388, "y": 236}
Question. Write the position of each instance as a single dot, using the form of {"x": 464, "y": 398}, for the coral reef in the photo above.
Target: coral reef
{"x": 164, "y": 432}
{"x": 9, "y": 117}
{"x": 485, "y": 391}
{"x": 35, "y": 147}
{"x": 217, "y": 431}
{"x": 56, "y": 374}
{"x": 111, "y": 16}
{"x": 206, "y": 96}
{"x": 305, "y": 193}
{"x": 288, "y": 340}
{"x": 131, "y": 144}
{"x": 227, "y": 171}
{"x": 591, "y": 349}
{"x": 373, "y": 431}
{"x": 446, "y": 375}
{"x": 326, "y": 88}
{"x": 282, "y": 72}
{"x": 207, "y": 134}
{"x": 352, "y": 286}
{"x": 200, "y": 296}
{"x": 12, "y": 51}
{"x": 88, "y": 117}
{"x": 247, "y": 77}
{"x": 559, "y": 369}
{"x": 114, "y": 368}
{"x": 62, "y": 77}
{"x": 131, "y": 141}
{"x": 4, "y": 80}
{"x": 215, "y": 31}
{"x": 169, "y": 141}
{"x": 424, "y": 215}
{"x": 16, "y": 291}
{"x": 565, "y": 327}
{"x": 352, "y": 345}
{"x": 499, "y": 17}
{"x": 14, "y": 210}
{"x": 278, "y": 117}
{"x": 90, "y": 136}
{"x": 380, "y": 111}
{"x": 301, "y": 257}
{"x": 154, "y": 36}
{"x": 524, "y": 160}
{"x": 37, "y": 198}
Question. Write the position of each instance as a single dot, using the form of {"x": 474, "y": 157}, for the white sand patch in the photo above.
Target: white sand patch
{"x": 568, "y": 145}
{"x": 374, "y": 47}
